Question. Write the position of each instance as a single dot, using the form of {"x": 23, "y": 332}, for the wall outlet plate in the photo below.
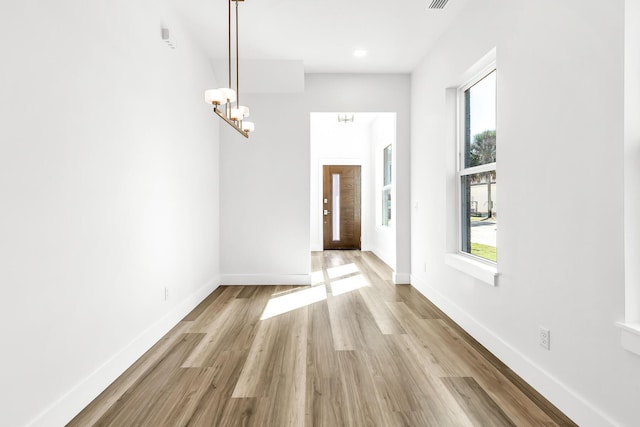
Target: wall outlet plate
{"x": 544, "y": 338}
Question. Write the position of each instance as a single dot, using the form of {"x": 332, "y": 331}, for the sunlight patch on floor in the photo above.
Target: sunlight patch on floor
{"x": 317, "y": 277}
{"x": 292, "y": 301}
{"x": 349, "y": 284}
{"x": 343, "y": 270}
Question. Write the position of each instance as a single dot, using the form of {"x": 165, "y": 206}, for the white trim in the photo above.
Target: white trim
{"x": 70, "y": 404}
{"x": 265, "y": 279}
{"x": 383, "y": 255}
{"x": 487, "y": 167}
{"x": 482, "y": 68}
{"x": 401, "y": 278}
{"x": 487, "y": 273}
{"x": 630, "y": 336}
{"x": 581, "y": 411}
{"x": 328, "y": 161}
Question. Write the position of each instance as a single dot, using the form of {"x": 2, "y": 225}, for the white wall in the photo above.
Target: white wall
{"x": 632, "y": 160}
{"x": 265, "y": 181}
{"x": 264, "y": 194}
{"x": 109, "y": 194}
{"x": 560, "y": 124}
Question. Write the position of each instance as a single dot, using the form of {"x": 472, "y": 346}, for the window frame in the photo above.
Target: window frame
{"x": 386, "y": 187}
{"x": 461, "y": 170}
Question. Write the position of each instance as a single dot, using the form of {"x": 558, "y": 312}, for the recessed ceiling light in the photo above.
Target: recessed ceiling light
{"x": 359, "y": 53}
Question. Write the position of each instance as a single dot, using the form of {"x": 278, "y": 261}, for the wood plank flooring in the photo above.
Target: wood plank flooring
{"x": 350, "y": 350}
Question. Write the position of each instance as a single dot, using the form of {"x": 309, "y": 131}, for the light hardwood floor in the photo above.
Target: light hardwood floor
{"x": 350, "y": 350}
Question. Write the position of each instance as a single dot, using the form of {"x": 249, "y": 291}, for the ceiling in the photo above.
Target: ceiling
{"x": 324, "y": 34}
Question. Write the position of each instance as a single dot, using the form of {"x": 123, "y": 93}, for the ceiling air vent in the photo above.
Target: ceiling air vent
{"x": 438, "y": 4}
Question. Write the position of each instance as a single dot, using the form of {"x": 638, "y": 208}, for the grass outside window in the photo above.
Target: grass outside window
{"x": 484, "y": 251}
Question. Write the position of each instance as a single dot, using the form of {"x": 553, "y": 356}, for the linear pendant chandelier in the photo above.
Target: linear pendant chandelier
{"x": 226, "y": 101}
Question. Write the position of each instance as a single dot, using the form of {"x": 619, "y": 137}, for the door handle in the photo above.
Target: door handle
{"x": 326, "y": 212}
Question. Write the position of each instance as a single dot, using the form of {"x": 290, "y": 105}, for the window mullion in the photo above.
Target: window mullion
{"x": 478, "y": 169}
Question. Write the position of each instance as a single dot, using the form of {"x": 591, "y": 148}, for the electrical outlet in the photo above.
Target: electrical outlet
{"x": 166, "y": 293}
{"x": 544, "y": 338}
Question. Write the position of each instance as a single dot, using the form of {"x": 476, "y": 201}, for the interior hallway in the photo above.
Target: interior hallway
{"x": 351, "y": 350}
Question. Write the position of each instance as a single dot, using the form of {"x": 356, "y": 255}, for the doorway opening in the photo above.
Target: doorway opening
{"x": 359, "y": 142}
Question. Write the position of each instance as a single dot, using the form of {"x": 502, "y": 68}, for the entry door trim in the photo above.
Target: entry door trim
{"x": 317, "y": 238}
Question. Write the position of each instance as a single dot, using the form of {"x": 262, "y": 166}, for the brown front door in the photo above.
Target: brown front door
{"x": 341, "y": 207}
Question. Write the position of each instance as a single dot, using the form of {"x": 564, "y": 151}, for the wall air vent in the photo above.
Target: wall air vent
{"x": 438, "y": 4}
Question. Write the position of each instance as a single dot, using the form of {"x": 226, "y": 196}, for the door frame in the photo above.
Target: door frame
{"x": 364, "y": 189}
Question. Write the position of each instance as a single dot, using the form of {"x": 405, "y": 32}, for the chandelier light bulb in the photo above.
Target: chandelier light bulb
{"x": 215, "y": 97}
{"x": 237, "y": 113}
{"x": 248, "y": 126}
{"x": 229, "y": 94}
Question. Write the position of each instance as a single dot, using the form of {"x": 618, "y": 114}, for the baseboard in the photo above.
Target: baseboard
{"x": 401, "y": 278}
{"x": 265, "y": 279}
{"x": 559, "y": 394}
{"x": 69, "y": 405}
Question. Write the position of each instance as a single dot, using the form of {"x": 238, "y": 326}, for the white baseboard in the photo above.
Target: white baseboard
{"x": 70, "y": 404}
{"x": 320, "y": 248}
{"x": 567, "y": 400}
{"x": 265, "y": 279}
{"x": 385, "y": 256}
{"x": 401, "y": 278}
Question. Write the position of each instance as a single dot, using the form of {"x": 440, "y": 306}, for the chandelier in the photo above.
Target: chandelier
{"x": 226, "y": 100}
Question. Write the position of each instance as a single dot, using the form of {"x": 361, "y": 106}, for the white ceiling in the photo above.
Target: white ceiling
{"x": 323, "y": 34}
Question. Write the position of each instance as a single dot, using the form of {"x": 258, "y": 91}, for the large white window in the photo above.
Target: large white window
{"x": 477, "y": 168}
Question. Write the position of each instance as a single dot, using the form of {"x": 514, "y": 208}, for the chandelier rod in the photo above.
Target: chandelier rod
{"x": 237, "y": 61}
{"x": 229, "y": 39}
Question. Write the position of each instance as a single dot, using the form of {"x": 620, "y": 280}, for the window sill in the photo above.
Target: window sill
{"x": 477, "y": 269}
{"x": 630, "y": 337}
